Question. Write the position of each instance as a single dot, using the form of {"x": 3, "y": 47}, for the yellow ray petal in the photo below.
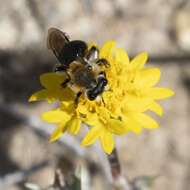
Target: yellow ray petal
{"x": 82, "y": 109}
{"x": 92, "y": 119}
{"x": 135, "y": 103}
{"x": 41, "y": 95}
{"x": 156, "y": 108}
{"x": 92, "y": 135}
{"x": 65, "y": 94}
{"x": 107, "y": 50}
{"x": 117, "y": 127}
{"x": 158, "y": 93}
{"x": 135, "y": 128}
{"x": 73, "y": 125}
{"x": 145, "y": 121}
{"x": 121, "y": 56}
{"x": 147, "y": 77}
{"x": 58, "y": 131}
{"x": 131, "y": 124}
{"x": 139, "y": 61}
{"x": 55, "y": 116}
{"x": 107, "y": 141}
{"x": 51, "y": 80}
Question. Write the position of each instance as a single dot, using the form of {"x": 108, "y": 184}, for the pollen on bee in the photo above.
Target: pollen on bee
{"x": 106, "y": 88}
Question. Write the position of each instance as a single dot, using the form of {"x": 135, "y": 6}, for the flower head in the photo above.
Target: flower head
{"x": 131, "y": 93}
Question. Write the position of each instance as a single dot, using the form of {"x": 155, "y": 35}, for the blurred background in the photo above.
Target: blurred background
{"x": 159, "y": 27}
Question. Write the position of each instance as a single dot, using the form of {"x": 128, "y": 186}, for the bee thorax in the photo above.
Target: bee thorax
{"x": 85, "y": 79}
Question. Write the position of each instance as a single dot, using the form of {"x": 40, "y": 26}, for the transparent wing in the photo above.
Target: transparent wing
{"x": 56, "y": 40}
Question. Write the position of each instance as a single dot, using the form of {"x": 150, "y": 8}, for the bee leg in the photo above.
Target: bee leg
{"x": 60, "y": 68}
{"x": 103, "y": 101}
{"x": 102, "y": 73}
{"x": 92, "y": 54}
{"x": 77, "y": 98}
{"x": 104, "y": 61}
{"x": 67, "y": 80}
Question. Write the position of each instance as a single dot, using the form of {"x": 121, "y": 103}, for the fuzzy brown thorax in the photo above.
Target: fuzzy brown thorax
{"x": 83, "y": 75}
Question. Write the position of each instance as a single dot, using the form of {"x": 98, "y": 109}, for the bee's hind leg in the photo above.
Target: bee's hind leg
{"x": 77, "y": 98}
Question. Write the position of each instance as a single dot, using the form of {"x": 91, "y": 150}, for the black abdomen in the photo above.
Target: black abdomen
{"x": 71, "y": 51}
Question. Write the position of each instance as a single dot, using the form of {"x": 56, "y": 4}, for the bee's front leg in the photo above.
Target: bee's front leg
{"x": 77, "y": 98}
{"x": 92, "y": 54}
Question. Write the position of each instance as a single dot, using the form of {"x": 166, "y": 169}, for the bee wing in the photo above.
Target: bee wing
{"x": 56, "y": 40}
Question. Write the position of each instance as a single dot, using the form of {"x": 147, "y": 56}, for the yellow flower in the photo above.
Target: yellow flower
{"x": 131, "y": 93}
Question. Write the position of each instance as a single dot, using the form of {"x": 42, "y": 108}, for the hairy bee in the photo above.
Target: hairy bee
{"x": 81, "y": 66}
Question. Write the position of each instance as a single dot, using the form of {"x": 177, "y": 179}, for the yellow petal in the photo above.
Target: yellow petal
{"x": 156, "y": 108}
{"x": 146, "y": 121}
{"x": 117, "y": 127}
{"x": 107, "y": 141}
{"x": 82, "y": 109}
{"x": 107, "y": 50}
{"x": 121, "y": 56}
{"x": 135, "y": 103}
{"x": 64, "y": 94}
{"x": 103, "y": 113}
{"x": 55, "y": 116}
{"x": 73, "y": 125}
{"x": 43, "y": 95}
{"x": 40, "y": 95}
{"x": 139, "y": 61}
{"x": 147, "y": 77}
{"x": 92, "y": 135}
{"x": 58, "y": 131}
{"x": 131, "y": 124}
{"x": 92, "y": 119}
{"x": 51, "y": 80}
{"x": 69, "y": 107}
{"x": 135, "y": 128}
{"x": 158, "y": 93}
{"x": 65, "y": 104}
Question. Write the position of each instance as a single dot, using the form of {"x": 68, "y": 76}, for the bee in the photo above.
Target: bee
{"x": 83, "y": 68}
